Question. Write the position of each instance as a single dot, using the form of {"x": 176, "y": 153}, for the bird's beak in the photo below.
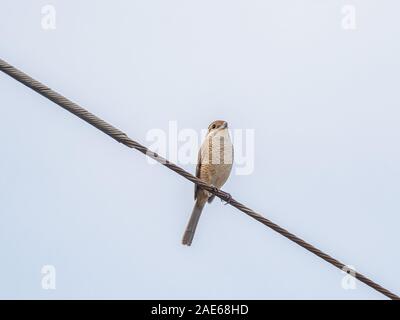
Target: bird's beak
{"x": 225, "y": 125}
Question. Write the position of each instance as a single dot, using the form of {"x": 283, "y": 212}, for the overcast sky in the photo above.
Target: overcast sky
{"x": 319, "y": 91}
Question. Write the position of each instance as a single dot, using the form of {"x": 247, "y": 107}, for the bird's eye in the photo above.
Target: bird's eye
{"x": 213, "y": 126}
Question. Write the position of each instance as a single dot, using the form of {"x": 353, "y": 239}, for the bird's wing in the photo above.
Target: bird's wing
{"x": 197, "y": 173}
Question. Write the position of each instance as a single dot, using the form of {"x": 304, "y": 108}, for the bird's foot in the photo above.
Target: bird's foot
{"x": 228, "y": 198}
{"x": 215, "y": 189}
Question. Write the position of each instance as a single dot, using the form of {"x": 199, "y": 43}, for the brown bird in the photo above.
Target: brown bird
{"x": 214, "y": 165}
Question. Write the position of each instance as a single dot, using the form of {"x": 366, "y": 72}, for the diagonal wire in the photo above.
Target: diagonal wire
{"x": 121, "y": 137}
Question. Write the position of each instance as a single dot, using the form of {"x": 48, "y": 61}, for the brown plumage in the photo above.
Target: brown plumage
{"x": 214, "y": 165}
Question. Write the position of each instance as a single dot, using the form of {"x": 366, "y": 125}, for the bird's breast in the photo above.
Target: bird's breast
{"x": 216, "y": 158}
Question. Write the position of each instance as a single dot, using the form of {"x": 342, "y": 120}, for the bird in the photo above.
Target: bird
{"x": 214, "y": 165}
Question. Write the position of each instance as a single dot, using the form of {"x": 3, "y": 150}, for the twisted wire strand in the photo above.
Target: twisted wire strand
{"x": 121, "y": 137}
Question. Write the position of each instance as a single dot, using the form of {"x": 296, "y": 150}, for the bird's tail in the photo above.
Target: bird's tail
{"x": 194, "y": 219}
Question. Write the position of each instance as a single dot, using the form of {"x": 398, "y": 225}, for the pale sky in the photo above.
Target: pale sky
{"x": 322, "y": 101}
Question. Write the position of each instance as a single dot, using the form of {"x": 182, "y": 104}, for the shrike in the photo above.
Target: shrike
{"x": 214, "y": 165}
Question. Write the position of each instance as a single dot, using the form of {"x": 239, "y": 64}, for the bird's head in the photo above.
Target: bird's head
{"x": 217, "y": 126}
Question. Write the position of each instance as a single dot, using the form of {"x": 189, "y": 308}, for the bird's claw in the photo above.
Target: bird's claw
{"x": 215, "y": 189}
{"x": 227, "y": 195}
{"x": 228, "y": 198}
